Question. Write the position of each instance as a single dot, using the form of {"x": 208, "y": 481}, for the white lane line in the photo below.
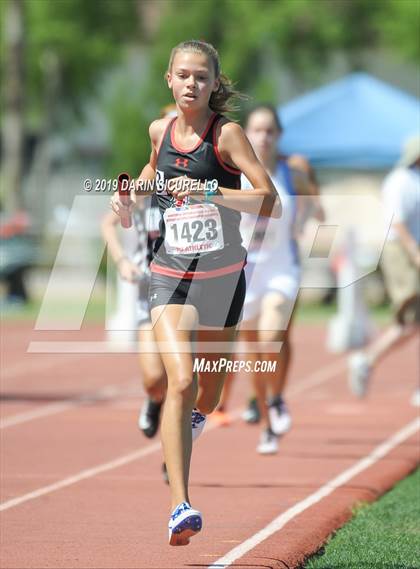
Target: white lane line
{"x": 91, "y": 472}
{"x": 279, "y": 522}
{"x": 43, "y": 411}
{"x": 323, "y": 374}
{"x": 83, "y": 475}
{"x": 61, "y": 406}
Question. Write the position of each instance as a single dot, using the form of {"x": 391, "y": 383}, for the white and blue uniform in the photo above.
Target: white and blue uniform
{"x": 273, "y": 262}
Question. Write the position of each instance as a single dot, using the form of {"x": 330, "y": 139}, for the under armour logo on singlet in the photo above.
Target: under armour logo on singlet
{"x": 182, "y": 162}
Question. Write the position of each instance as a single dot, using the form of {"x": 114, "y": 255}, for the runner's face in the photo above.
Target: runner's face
{"x": 192, "y": 80}
{"x": 263, "y": 134}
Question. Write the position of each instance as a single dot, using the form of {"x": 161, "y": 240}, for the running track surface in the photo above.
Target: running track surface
{"x": 81, "y": 487}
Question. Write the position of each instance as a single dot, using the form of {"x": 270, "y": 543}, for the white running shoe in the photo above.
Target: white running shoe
{"x": 198, "y": 421}
{"x": 280, "y": 419}
{"x": 358, "y": 373}
{"x": 415, "y": 398}
{"x": 183, "y": 524}
{"x": 268, "y": 443}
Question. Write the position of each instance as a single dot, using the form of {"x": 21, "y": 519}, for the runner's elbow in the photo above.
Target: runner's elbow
{"x": 271, "y": 206}
{"x": 278, "y": 208}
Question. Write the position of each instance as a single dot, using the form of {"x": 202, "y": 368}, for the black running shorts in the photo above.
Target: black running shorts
{"x": 219, "y": 300}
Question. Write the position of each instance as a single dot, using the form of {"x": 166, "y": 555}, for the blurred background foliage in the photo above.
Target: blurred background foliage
{"x": 114, "y": 53}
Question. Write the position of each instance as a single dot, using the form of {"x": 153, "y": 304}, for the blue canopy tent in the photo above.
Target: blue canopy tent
{"x": 358, "y": 122}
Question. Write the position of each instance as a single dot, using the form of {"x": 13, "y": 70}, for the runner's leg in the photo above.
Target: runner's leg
{"x": 211, "y": 383}
{"x": 151, "y": 366}
{"x": 181, "y": 393}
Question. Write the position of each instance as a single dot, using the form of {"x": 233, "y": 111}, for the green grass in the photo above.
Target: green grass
{"x": 59, "y": 310}
{"x": 383, "y": 535}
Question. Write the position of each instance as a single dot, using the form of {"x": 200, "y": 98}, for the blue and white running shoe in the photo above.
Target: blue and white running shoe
{"x": 198, "y": 421}
{"x": 183, "y": 524}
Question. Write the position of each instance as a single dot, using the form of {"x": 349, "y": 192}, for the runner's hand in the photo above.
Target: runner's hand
{"x": 118, "y": 207}
{"x": 128, "y": 271}
{"x": 182, "y": 186}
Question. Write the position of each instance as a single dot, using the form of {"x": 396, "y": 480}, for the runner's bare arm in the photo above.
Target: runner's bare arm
{"x": 126, "y": 268}
{"x": 235, "y": 149}
{"x": 109, "y": 234}
{"x": 305, "y": 182}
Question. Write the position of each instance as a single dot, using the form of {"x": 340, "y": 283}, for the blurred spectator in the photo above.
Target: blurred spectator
{"x": 17, "y": 255}
{"x": 400, "y": 264}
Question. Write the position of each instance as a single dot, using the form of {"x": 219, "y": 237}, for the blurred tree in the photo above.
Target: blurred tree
{"x": 68, "y": 45}
{"x": 12, "y": 140}
{"x": 398, "y": 26}
{"x": 76, "y": 41}
{"x": 129, "y": 117}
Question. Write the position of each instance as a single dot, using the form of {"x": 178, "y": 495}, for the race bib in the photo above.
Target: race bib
{"x": 193, "y": 229}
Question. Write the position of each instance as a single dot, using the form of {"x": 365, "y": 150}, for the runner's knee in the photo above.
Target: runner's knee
{"x": 155, "y": 385}
{"x": 181, "y": 385}
{"x": 209, "y": 395}
{"x": 153, "y": 379}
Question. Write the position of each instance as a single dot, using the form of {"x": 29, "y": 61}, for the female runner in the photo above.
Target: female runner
{"x": 273, "y": 270}
{"x": 197, "y": 271}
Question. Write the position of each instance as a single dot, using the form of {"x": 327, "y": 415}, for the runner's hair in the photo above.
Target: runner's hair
{"x": 268, "y": 107}
{"x": 226, "y": 98}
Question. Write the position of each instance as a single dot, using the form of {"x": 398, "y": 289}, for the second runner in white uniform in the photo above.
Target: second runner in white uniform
{"x": 273, "y": 262}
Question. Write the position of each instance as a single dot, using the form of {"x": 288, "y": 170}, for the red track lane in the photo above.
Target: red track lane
{"x": 117, "y": 518}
